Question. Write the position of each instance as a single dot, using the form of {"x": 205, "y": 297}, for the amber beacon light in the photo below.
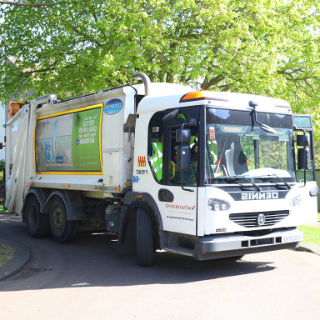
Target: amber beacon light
{"x": 203, "y": 95}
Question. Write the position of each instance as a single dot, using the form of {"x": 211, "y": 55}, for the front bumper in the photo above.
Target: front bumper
{"x": 224, "y": 246}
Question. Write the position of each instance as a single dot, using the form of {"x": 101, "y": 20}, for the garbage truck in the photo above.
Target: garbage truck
{"x": 164, "y": 166}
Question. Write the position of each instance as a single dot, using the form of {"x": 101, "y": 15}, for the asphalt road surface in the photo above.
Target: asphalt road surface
{"x": 86, "y": 279}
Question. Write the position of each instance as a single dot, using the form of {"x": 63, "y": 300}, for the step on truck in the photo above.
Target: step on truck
{"x": 205, "y": 174}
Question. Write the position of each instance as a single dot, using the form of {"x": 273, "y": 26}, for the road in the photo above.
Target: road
{"x": 86, "y": 279}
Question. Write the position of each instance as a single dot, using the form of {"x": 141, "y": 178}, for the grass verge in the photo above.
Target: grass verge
{"x": 6, "y": 253}
{"x": 311, "y": 235}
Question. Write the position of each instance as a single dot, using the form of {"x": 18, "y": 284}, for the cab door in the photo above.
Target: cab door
{"x": 178, "y": 207}
{"x": 309, "y": 209}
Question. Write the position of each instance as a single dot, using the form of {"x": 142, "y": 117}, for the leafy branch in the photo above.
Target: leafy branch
{"x": 28, "y": 4}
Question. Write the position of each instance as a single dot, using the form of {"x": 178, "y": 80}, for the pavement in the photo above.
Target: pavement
{"x": 22, "y": 255}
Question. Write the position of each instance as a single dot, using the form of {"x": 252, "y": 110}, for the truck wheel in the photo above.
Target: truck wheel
{"x": 37, "y": 223}
{"x": 144, "y": 237}
{"x": 62, "y": 229}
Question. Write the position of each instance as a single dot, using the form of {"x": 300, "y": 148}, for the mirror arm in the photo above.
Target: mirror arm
{"x": 262, "y": 125}
{"x": 299, "y": 129}
{"x": 255, "y": 117}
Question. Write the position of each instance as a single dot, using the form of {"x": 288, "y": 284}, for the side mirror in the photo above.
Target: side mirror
{"x": 183, "y": 136}
{"x": 303, "y": 140}
{"x": 183, "y": 158}
{"x": 303, "y": 159}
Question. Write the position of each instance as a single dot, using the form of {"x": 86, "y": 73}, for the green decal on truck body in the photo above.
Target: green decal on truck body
{"x": 85, "y": 140}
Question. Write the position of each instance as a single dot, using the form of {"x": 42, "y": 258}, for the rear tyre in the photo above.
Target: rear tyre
{"x": 144, "y": 239}
{"x": 62, "y": 229}
{"x": 37, "y": 223}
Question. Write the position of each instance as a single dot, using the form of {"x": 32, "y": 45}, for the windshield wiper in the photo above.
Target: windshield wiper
{"x": 287, "y": 184}
{"x": 259, "y": 189}
{"x": 274, "y": 175}
{"x": 236, "y": 177}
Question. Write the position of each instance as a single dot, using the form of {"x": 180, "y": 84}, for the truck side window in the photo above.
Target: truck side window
{"x": 155, "y": 145}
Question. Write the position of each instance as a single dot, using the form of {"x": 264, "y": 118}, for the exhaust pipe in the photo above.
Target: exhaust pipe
{"x": 146, "y": 81}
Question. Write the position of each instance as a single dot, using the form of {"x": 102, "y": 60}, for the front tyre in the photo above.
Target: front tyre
{"x": 144, "y": 239}
{"x": 62, "y": 229}
{"x": 37, "y": 223}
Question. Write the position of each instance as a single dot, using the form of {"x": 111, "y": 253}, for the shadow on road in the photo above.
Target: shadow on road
{"x": 92, "y": 260}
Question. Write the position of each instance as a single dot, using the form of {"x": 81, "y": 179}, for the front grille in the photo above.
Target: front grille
{"x": 250, "y": 220}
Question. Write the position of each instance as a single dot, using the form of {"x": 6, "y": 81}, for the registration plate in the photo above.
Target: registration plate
{"x": 295, "y": 238}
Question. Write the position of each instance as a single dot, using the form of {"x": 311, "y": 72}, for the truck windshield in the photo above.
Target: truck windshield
{"x": 236, "y": 147}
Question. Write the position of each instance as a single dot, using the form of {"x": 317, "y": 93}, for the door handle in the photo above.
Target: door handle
{"x": 165, "y": 195}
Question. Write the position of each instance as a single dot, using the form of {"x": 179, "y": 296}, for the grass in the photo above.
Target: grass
{"x": 311, "y": 235}
{"x": 1, "y": 209}
{"x": 6, "y": 253}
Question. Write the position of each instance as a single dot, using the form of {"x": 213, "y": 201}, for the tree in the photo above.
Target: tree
{"x": 263, "y": 47}
{"x": 27, "y": 4}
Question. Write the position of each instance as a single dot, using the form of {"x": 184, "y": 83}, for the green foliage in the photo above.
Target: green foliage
{"x": 262, "y": 47}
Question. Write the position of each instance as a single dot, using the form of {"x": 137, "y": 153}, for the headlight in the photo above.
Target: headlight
{"x": 296, "y": 201}
{"x": 218, "y": 204}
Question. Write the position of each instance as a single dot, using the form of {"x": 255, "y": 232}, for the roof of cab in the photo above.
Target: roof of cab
{"x": 167, "y": 96}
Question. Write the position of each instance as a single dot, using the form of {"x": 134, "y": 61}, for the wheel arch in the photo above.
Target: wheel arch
{"x": 73, "y": 202}
{"x": 40, "y": 194}
{"x": 145, "y": 201}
